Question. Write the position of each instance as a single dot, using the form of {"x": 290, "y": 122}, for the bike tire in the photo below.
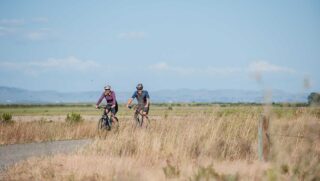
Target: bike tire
{"x": 115, "y": 122}
{"x": 109, "y": 124}
{"x": 100, "y": 125}
{"x": 139, "y": 120}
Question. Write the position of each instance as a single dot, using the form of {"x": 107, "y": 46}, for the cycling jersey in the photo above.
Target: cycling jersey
{"x": 141, "y": 98}
{"x": 111, "y": 99}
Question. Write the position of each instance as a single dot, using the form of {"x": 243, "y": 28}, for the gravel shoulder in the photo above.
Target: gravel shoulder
{"x": 10, "y": 154}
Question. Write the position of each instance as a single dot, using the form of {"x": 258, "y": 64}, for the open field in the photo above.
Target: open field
{"x": 206, "y": 142}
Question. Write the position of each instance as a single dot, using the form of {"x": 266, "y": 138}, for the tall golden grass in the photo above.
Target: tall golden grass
{"x": 207, "y": 145}
{"x": 39, "y": 131}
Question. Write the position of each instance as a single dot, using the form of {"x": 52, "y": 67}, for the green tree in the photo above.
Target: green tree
{"x": 314, "y": 98}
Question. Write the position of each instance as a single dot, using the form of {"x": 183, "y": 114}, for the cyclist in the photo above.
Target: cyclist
{"x": 143, "y": 99}
{"x": 110, "y": 97}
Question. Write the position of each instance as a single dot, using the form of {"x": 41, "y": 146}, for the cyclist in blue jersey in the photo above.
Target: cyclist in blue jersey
{"x": 143, "y": 99}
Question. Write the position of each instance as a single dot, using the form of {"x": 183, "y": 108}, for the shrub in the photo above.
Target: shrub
{"x": 314, "y": 99}
{"x": 208, "y": 173}
{"x": 6, "y": 118}
{"x": 171, "y": 171}
{"x": 74, "y": 118}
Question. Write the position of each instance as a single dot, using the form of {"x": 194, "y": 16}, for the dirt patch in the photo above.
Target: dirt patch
{"x": 11, "y": 154}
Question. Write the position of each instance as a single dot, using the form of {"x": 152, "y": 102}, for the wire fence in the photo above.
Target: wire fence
{"x": 294, "y": 136}
{"x": 264, "y": 135}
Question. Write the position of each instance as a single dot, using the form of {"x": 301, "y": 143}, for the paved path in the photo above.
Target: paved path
{"x": 10, "y": 154}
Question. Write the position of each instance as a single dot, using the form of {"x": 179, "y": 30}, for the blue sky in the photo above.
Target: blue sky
{"x": 82, "y": 45}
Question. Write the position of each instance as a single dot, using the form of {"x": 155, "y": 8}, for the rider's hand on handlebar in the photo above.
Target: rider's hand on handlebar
{"x": 97, "y": 107}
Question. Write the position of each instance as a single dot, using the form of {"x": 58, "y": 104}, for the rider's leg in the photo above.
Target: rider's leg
{"x": 145, "y": 115}
{"x": 106, "y": 113}
{"x": 145, "y": 112}
{"x": 113, "y": 114}
{"x": 142, "y": 117}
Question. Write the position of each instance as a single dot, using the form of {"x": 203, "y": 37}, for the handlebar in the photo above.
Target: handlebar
{"x": 133, "y": 106}
{"x": 104, "y": 107}
{"x": 138, "y": 108}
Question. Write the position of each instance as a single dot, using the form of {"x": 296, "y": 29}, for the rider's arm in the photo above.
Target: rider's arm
{"x": 147, "y": 103}
{"x": 113, "y": 99}
{"x": 100, "y": 99}
{"x": 131, "y": 99}
{"x": 148, "y": 99}
{"x": 129, "y": 102}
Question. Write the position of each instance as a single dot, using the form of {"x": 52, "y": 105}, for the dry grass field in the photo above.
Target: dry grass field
{"x": 181, "y": 143}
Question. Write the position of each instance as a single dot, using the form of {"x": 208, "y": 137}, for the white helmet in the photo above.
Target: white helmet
{"x": 107, "y": 87}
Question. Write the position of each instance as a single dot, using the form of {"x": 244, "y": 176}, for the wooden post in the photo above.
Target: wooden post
{"x": 260, "y": 144}
{"x": 263, "y": 138}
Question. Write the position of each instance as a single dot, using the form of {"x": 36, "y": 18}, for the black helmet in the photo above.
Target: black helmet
{"x": 139, "y": 86}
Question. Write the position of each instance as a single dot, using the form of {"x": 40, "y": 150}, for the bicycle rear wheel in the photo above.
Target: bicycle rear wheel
{"x": 115, "y": 122}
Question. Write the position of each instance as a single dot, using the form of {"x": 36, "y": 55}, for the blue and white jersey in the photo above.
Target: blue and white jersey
{"x": 141, "y": 98}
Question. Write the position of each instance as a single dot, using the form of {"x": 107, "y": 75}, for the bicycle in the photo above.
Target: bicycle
{"x": 106, "y": 121}
{"x": 139, "y": 117}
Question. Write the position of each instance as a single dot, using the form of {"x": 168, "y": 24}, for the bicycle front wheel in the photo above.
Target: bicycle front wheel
{"x": 139, "y": 120}
{"x": 100, "y": 125}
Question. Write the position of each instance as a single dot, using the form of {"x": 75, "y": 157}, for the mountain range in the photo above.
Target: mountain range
{"x": 11, "y": 95}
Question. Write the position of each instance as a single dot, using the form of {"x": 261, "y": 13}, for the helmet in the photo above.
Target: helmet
{"x": 107, "y": 87}
{"x": 139, "y": 86}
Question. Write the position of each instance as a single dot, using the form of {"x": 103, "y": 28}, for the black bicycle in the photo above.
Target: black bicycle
{"x": 106, "y": 121}
{"x": 138, "y": 116}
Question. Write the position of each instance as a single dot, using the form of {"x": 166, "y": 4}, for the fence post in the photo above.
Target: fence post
{"x": 263, "y": 138}
{"x": 260, "y": 148}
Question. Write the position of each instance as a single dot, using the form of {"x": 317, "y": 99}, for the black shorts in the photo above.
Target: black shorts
{"x": 144, "y": 109}
{"x": 114, "y": 110}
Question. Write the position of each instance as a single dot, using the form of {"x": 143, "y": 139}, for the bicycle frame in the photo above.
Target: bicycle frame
{"x": 139, "y": 117}
{"x": 105, "y": 121}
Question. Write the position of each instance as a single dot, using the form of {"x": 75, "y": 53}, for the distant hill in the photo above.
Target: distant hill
{"x": 10, "y": 95}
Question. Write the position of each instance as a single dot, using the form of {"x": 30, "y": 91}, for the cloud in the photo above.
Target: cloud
{"x": 40, "y": 20}
{"x": 258, "y": 68}
{"x": 18, "y": 28}
{"x": 164, "y": 67}
{"x": 12, "y": 22}
{"x": 36, "y": 35}
{"x": 52, "y": 64}
{"x": 41, "y": 34}
{"x": 263, "y": 66}
{"x": 70, "y": 63}
{"x": 159, "y": 66}
{"x": 4, "y": 31}
{"x": 132, "y": 35}
{"x": 21, "y": 22}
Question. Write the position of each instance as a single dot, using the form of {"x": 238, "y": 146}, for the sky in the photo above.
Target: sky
{"x": 80, "y": 45}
